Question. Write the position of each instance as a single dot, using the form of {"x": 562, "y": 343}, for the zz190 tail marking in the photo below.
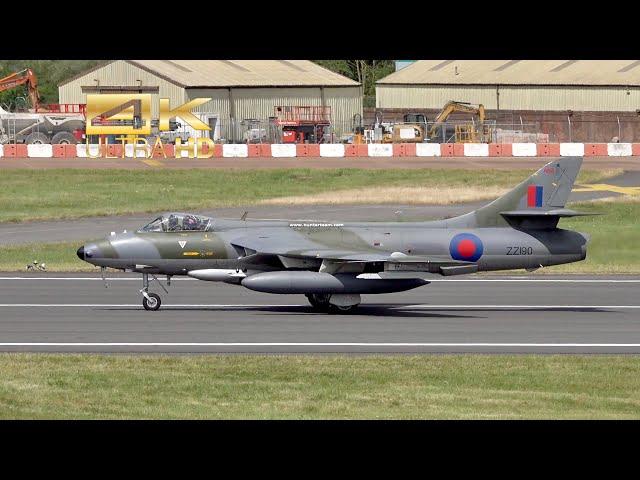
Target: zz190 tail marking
{"x": 519, "y": 250}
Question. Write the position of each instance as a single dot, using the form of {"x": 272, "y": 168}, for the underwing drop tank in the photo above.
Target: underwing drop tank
{"x": 321, "y": 283}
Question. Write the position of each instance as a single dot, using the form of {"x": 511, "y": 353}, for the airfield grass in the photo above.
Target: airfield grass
{"x": 74, "y": 386}
{"x": 70, "y": 193}
{"x": 612, "y": 248}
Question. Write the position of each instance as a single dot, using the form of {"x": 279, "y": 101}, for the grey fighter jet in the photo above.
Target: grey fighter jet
{"x": 334, "y": 263}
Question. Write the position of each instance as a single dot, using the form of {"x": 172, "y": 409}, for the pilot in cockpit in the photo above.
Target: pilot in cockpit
{"x": 173, "y": 224}
{"x": 190, "y": 222}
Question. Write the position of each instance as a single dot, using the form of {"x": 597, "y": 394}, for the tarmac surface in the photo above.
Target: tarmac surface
{"x": 252, "y": 163}
{"x": 97, "y": 227}
{"x": 485, "y": 314}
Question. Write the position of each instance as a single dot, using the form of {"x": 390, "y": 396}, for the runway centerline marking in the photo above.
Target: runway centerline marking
{"x": 477, "y": 280}
{"x": 318, "y": 344}
{"x": 394, "y": 306}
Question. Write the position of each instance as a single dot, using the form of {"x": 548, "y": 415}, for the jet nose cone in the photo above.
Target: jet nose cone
{"x": 80, "y": 253}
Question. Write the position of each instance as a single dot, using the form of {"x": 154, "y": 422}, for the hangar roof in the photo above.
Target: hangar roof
{"x": 240, "y": 73}
{"x": 517, "y": 72}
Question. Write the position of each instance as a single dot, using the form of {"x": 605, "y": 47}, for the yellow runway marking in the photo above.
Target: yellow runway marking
{"x": 152, "y": 163}
{"x": 603, "y": 187}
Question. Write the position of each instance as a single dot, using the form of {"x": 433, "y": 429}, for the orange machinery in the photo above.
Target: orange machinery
{"x": 28, "y": 78}
{"x": 303, "y": 124}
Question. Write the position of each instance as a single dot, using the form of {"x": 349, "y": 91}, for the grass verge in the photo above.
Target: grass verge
{"x": 289, "y": 387}
{"x": 614, "y": 238}
{"x": 69, "y": 193}
{"x": 58, "y": 257}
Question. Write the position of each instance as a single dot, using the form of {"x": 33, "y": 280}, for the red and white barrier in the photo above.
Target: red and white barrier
{"x": 476, "y": 149}
{"x": 283, "y": 150}
{"x": 291, "y": 150}
{"x": 619, "y": 149}
{"x": 523, "y": 150}
{"x": 380, "y": 150}
{"x": 427, "y": 149}
{"x": 40, "y": 150}
{"x": 235, "y": 150}
{"x": 571, "y": 149}
{"x": 83, "y": 150}
{"x": 331, "y": 150}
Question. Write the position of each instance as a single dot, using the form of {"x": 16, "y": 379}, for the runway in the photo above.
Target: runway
{"x": 253, "y": 163}
{"x": 480, "y": 314}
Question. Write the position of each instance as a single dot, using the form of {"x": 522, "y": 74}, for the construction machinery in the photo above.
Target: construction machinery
{"x": 303, "y": 124}
{"x": 23, "y": 77}
{"x": 463, "y": 133}
{"x": 52, "y": 123}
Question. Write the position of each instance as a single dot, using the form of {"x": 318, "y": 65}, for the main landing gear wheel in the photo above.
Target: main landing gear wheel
{"x": 151, "y": 301}
{"x": 342, "y": 308}
{"x": 318, "y": 301}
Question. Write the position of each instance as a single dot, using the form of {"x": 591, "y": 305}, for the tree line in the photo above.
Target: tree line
{"x": 52, "y": 72}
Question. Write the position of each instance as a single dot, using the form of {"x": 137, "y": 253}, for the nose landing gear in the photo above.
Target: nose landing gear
{"x": 151, "y": 301}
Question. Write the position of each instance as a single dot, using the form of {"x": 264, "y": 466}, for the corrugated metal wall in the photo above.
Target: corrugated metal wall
{"x": 121, "y": 73}
{"x": 344, "y": 103}
{"x": 259, "y": 103}
{"x": 511, "y": 97}
{"x": 248, "y": 102}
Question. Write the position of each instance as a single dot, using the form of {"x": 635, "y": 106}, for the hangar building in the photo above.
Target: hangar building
{"x": 594, "y": 99}
{"x": 239, "y": 89}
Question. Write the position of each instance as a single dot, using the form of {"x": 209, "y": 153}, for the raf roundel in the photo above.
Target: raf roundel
{"x": 466, "y": 247}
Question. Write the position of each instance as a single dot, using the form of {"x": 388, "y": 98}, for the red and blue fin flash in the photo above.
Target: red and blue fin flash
{"x": 534, "y": 196}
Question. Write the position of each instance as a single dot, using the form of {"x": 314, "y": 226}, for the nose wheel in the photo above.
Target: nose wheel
{"x": 151, "y": 301}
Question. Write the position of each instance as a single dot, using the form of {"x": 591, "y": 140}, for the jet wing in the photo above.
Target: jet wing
{"x": 395, "y": 264}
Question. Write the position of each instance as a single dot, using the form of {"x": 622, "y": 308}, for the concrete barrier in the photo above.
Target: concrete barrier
{"x": 595, "y": 149}
{"x": 428, "y": 150}
{"x": 142, "y": 152}
{"x": 81, "y": 150}
{"x": 619, "y": 149}
{"x": 307, "y": 150}
{"x": 476, "y": 149}
{"x": 380, "y": 150}
{"x": 524, "y": 149}
{"x": 572, "y": 149}
{"x": 404, "y": 149}
{"x": 500, "y": 150}
{"x": 337, "y": 150}
{"x": 40, "y": 150}
{"x": 332, "y": 150}
{"x": 283, "y": 150}
{"x": 235, "y": 150}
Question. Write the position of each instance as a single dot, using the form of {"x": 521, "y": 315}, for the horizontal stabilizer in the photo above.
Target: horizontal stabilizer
{"x": 539, "y": 219}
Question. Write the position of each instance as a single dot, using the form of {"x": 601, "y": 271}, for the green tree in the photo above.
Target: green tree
{"x": 49, "y": 72}
{"x": 367, "y": 72}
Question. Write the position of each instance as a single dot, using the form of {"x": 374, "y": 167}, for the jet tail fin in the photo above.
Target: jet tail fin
{"x": 546, "y": 190}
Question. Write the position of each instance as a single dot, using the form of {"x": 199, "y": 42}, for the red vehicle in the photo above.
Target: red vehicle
{"x": 303, "y": 124}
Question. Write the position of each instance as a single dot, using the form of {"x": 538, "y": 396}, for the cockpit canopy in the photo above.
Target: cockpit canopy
{"x": 179, "y": 222}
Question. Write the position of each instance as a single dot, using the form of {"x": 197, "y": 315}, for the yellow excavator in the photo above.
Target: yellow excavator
{"x": 464, "y": 133}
